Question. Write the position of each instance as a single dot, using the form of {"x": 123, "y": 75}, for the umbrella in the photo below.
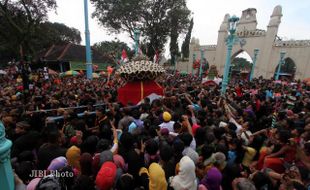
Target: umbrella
{"x": 102, "y": 73}
{"x": 52, "y": 72}
{"x": 95, "y": 75}
{"x": 2, "y": 72}
{"x": 71, "y": 73}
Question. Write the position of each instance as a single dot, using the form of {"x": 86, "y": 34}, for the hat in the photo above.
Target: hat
{"x": 106, "y": 176}
{"x": 166, "y": 116}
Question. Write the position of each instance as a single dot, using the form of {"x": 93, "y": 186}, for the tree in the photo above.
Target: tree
{"x": 152, "y": 17}
{"x": 113, "y": 48}
{"x": 55, "y": 33}
{"x": 179, "y": 14}
{"x": 241, "y": 63}
{"x": 186, "y": 42}
{"x": 19, "y": 21}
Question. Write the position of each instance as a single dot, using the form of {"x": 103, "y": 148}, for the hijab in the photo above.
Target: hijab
{"x": 186, "y": 179}
{"x": 73, "y": 156}
{"x": 212, "y": 180}
{"x": 57, "y": 163}
{"x": 156, "y": 177}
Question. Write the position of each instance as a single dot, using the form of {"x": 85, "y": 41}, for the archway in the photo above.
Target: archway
{"x": 241, "y": 65}
{"x": 288, "y": 69}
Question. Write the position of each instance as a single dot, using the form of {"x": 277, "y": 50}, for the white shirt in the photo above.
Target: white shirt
{"x": 168, "y": 125}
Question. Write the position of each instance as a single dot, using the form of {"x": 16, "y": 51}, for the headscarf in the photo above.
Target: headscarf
{"x": 212, "y": 180}
{"x": 33, "y": 184}
{"x": 157, "y": 179}
{"x": 58, "y": 163}
{"x": 106, "y": 176}
{"x": 73, "y": 156}
{"x": 86, "y": 164}
{"x": 186, "y": 179}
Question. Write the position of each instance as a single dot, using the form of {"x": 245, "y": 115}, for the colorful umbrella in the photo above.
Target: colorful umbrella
{"x": 95, "y": 75}
{"x": 71, "y": 73}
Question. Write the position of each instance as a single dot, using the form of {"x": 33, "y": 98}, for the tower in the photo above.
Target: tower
{"x": 248, "y": 20}
{"x": 272, "y": 31}
{"x": 221, "y": 44}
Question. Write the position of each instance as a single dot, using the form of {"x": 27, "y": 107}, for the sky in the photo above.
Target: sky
{"x": 208, "y": 15}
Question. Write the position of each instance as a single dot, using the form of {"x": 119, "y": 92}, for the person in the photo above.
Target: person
{"x": 50, "y": 150}
{"x": 192, "y": 135}
{"x": 186, "y": 178}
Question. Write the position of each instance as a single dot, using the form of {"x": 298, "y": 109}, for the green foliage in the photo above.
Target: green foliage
{"x": 186, "y": 42}
{"x": 157, "y": 19}
{"x": 19, "y": 20}
{"x": 58, "y": 33}
{"x": 240, "y": 63}
{"x": 179, "y": 21}
{"x": 113, "y": 48}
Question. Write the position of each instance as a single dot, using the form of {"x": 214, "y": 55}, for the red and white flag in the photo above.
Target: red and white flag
{"x": 124, "y": 56}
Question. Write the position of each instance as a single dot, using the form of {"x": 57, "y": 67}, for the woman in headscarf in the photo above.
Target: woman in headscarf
{"x": 212, "y": 180}
{"x": 73, "y": 156}
{"x": 156, "y": 176}
{"x": 186, "y": 179}
{"x": 58, "y": 163}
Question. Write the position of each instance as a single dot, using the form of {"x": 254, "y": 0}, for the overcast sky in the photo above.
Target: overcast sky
{"x": 208, "y": 15}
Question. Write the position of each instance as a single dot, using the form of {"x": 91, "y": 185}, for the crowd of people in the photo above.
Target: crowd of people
{"x": 256, "y": 136}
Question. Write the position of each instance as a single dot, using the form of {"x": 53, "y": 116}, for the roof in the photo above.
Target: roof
{"x": 72, "y": 52}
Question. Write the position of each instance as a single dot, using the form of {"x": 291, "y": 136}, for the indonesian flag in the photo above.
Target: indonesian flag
{"x": 156, "y": 57}
{"x": 124, "y": 56}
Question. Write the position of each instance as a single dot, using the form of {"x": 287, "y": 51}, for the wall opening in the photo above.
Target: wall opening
{"x": 241, "y": 65}
{"x": 288, "y": 69}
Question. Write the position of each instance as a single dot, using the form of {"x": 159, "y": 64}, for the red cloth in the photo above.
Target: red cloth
{"x": 106, "y": 176}
{"x": 239, "y": 91}
{"x": 275, "y": 164}
{"x": 135, "y": 91}
{"x": 124, "y": 54}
